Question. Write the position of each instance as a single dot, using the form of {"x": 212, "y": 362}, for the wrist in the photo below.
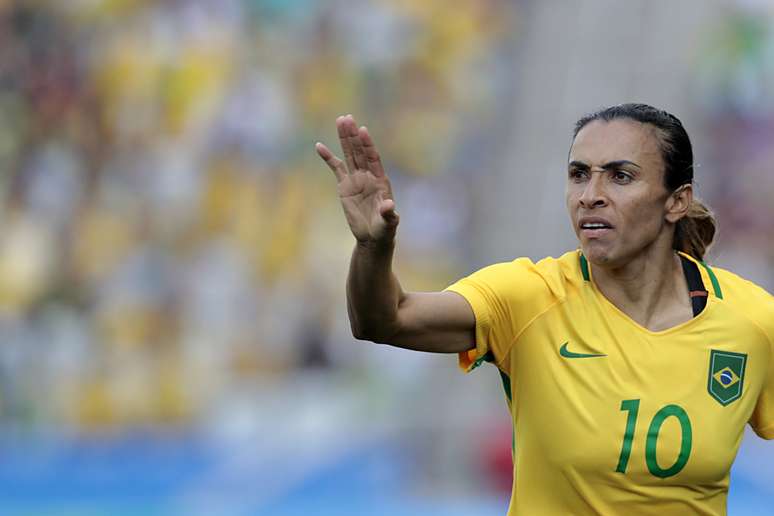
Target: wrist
{"x": 384, "y": 245}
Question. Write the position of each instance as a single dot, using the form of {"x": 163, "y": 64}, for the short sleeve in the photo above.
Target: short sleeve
{"x": 761, "y": 309}
{"x": 504, "y": 297}
{"x": 762, "y": 420}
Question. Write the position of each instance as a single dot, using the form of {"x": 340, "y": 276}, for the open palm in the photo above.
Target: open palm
{"x": 364, "y": 189}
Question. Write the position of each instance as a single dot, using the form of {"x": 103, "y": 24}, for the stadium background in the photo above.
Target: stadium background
{"x": 173, "y": 336}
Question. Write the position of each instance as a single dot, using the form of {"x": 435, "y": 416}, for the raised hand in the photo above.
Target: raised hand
{"x": 364, "y": 189}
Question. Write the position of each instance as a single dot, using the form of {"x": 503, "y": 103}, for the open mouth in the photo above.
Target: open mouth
{"x": 595, "y": 228}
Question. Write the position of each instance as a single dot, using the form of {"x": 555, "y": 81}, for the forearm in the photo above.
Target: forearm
{"x": 373, "y": 292}
{"x": 378, "y": 308}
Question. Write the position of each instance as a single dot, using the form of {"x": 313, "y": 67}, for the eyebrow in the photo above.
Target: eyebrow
{"x": 607, "y": 166}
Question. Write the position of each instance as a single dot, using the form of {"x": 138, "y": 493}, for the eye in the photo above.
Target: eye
{"x": 577, "y": 174}
{"x": 621, "y": 176}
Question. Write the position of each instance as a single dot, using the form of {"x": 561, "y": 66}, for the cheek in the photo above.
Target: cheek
{"x": 570, "y": 204}
{"x": 570, "y": 199}
{"x": 645, "y": 218}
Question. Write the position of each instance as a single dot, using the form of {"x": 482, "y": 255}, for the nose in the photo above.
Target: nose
{"x": 593, "y": 195}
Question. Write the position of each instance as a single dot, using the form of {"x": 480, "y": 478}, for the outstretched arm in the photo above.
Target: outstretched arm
{"x": 379, "y": 310}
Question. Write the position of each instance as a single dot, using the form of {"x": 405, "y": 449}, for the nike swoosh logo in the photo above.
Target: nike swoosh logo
{"x": 566, "y": 353}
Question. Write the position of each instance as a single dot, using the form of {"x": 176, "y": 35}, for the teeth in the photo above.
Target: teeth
{"x": 594, "y": 225}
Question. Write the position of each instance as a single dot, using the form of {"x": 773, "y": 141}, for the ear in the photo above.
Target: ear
{"x": 678, "y": 203}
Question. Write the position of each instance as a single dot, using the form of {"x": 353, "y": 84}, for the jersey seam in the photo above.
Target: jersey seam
{"x": 760, "y": 329}
{"x": 536, "y": 317}
{"x": 526, "y": 326}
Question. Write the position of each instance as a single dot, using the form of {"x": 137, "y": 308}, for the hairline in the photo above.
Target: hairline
{"x": 661, "y": 134}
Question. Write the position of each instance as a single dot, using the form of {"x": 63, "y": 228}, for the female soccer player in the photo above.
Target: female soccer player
{"x": 631, "y": 364}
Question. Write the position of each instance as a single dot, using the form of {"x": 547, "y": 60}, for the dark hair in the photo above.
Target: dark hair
{"x": 694, "y": 232}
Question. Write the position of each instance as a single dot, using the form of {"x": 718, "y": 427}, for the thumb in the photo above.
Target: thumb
{"x": 388, "y": 213}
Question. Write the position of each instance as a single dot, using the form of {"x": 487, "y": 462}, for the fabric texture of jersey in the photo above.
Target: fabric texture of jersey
{"x": 609, "y": 416}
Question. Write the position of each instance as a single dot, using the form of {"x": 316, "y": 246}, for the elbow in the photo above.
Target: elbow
{"x": 358, "y": 332}
{"x": 361, "y": 333}
{"x": 373, "y": 333}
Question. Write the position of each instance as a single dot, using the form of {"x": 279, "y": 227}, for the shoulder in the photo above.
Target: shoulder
{"x": 523, "y": 282}
{"x": 737, "y": 280}
{"x": 565, "y": 274}
{"x": 738, "y": 290}
{"x": 747, "y": 298}
{"x": 553, "y": 274}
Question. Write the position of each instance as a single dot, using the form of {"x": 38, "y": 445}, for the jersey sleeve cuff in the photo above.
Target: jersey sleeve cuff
{"x": 471, "y": 359}
{"x": 766, "y": 432}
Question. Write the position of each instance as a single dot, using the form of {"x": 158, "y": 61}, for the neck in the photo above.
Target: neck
{"x": 651, "y": 288}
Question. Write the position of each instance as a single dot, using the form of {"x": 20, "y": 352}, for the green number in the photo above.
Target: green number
{"x": 686, "y": 441}
{"x": 633, "y": 406}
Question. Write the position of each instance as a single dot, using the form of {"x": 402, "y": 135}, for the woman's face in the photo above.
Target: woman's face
{"x": 616, "y": 196}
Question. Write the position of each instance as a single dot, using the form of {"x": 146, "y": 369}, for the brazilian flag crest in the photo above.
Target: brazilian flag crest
{"x": 726, "y": 375}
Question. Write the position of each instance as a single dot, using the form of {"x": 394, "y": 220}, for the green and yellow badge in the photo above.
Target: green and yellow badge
{"x": 726, "y": 375}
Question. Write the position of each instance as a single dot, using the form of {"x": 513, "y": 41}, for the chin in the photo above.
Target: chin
{"x": 597, "y": 253}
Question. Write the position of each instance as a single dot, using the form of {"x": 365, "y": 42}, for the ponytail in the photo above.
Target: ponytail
{"x": 695, "y": 231}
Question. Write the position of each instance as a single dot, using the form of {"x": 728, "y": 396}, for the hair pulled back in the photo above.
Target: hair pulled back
{"x": 694, "y": 232}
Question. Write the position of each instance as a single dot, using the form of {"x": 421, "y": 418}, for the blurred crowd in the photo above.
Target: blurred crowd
{"x": 169, "y": 234}
{"x": 735, "y": 80}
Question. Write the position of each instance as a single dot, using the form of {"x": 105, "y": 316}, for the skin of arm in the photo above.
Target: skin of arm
{"x": 379, "y": 310}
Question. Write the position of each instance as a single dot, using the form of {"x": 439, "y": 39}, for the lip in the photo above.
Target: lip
{"x": 594, "y": 233}
{"x": 593, "y": 220}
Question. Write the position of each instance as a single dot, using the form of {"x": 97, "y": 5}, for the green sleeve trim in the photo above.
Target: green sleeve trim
{"x": 585, "y": 268}
{"x": 714, "y": 280}
{"x": 489, "y": 357}
{"x": 506, "y": 386}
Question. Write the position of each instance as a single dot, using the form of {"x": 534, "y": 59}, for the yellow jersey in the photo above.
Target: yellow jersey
{"x": 610, "y": 417}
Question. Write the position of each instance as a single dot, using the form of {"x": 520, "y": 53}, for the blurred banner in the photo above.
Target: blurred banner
{"x": 173, "y": 329}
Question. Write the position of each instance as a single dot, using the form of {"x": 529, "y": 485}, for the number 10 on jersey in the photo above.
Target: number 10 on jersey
{"x": 686, "y": 438}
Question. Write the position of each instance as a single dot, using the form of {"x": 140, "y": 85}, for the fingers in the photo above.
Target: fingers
{"x": 352, "y": 144}
{"x": 342, "y": 126}
{"x": 359, "y": 150}
{"x": 335, "y": 164}
{"x": 373, "y": 160}
{"x": 358, "y": 154}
